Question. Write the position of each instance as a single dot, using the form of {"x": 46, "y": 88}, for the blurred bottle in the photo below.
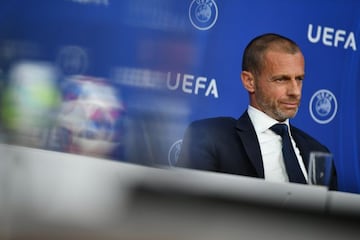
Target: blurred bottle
{"x": 29, "y": 101}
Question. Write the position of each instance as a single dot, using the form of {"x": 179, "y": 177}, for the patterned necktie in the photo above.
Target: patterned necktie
{"x": 291, "y": 162}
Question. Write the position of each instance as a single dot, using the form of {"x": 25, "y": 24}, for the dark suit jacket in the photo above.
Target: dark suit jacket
{"x": 227, "y": 145}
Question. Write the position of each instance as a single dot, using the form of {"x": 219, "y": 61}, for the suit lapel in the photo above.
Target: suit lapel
{"x": 301, "y": 145}
{"x": 249, "y": 139}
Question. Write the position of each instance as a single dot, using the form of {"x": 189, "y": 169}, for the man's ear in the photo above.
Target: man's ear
{"x": 248, "y": 81}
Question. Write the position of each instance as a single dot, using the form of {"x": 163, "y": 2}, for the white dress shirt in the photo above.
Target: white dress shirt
{"x": 271, "y": 145}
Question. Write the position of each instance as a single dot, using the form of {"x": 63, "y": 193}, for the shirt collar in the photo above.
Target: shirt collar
{"x": 261, "y": 120}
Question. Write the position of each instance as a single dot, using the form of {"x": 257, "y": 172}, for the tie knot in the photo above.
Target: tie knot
{"x": 279, "y": 128}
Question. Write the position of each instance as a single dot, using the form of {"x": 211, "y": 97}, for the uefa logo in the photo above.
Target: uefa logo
{"x": 174, "y": 152}
{"x": 203, "y": 14}
{"x": 72, "y": 60}
{"x": 323, "y": 106}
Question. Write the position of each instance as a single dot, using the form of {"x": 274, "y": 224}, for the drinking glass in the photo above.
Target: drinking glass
{"x": 320, "y": 168}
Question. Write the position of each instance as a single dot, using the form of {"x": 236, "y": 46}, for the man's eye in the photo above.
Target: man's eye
{"x": 279, "y": 79}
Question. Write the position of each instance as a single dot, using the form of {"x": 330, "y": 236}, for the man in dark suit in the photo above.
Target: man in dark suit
{"x": 272, "y": 73}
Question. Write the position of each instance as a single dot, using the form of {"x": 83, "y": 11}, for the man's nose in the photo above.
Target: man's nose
{"x": 295, "y": 87}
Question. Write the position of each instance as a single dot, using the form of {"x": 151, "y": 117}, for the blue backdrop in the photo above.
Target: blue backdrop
{"x": 169, "y": 62}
